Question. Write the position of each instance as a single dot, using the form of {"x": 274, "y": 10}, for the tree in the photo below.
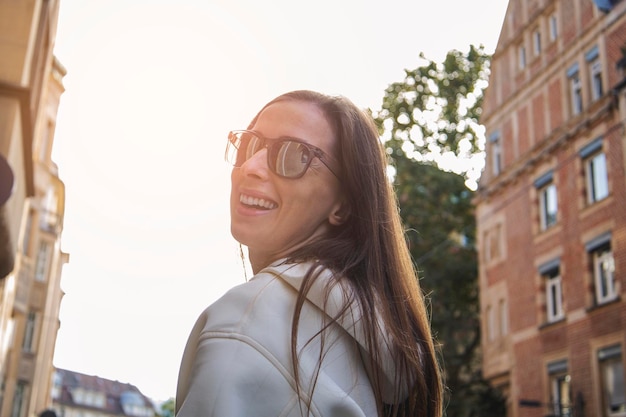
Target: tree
{"x": 166, "y": 409}
{"x": 434, "y": 112}
{"x": 429, "y": 118}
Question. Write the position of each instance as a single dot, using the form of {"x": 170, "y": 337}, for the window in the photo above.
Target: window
{"x": 603, "y": 268}
{"x": 491, "y": 323}
{"x": 49, "y": 216}
{"x": 548, "y": 205}
{"x": 596, "y": 176}
{"x": 29, "y": 332}
{"x": 522, "y": 57}
{"x": 537, "y": 41}
{"x": 554, "y": 32}
{"x": 597, "y": 184}
{"x": 3, "y": 386}
{"x": 504, "y": 318}
{"x": 496, "y": 153}
{"x": 492, "y": 243}
{"x": 27, "y": 233}
{"x": 576, "y": 95}
{"x": 595, "y": 72}
{"x": 596, "y": 80}
{"x": 45, "y": 140}
{"x": 612, "y": 381}
{"x": 560, "y": 389}
{"x": 43, "y": 259}
{"x": 19, "y": 397}
{"x": 554, "y": 290}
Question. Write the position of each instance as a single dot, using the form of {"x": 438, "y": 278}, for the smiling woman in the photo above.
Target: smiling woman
{"x": 151, "y": 88}
{"x": 333, "y": 322}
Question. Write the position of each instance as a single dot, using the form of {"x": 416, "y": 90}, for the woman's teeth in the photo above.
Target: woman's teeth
{"x": 258, "y": 202}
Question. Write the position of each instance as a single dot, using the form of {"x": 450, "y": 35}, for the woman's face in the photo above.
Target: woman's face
{"x": 294, "y": 211}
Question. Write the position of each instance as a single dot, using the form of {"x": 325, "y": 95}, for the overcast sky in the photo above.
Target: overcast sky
{"x": 153, "y": 87}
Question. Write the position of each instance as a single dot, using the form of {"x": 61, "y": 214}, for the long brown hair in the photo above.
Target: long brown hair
{"x": 370, "y": 252}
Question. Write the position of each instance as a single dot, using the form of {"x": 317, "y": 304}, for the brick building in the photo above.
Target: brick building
{"x": 551, "y": 210}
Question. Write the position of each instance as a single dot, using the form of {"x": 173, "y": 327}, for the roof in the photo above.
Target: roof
{"x": 116, "y": 398}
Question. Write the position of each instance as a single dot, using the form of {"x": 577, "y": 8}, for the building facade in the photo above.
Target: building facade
{"x": 78, "y": 395}
{"x": 31, "y": 219}
{"x": 551, "y": 210}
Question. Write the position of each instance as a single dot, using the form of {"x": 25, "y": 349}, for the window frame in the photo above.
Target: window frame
{"x": 537, "y": 42}
{"x": 42, "y": 261}
{"x": 559, "y": 378}
{"x": 551, "y": 275}
{"x": 596, "y": 177}
{"x": 496, "y": 153}
{"x": 594, "y": 64}
{"x": 604, "y": 275}
{"x": 521, "y": 57}
{"x": 20, "y": 396}
{"x": 491, "y": 324}
{"x": 548, "y": 201}
{"x": 596, "y": 171}
{"x": 554, "y": 298}
{"x": 554, "y": 29}
{"x": 576, "y": 93}
{"x": 548, "y": 205}
{"x": 595, "y": 75}
{"x": 607, "y": 357}
{"x": 30, "y": 332}
{"x": 504, "y": 317}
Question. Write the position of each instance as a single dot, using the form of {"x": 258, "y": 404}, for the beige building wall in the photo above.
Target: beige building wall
{"x": 31, "y": 221}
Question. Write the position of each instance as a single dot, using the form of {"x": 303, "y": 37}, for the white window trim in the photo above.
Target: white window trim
{"x": 548, "y": 205}
{"x": 595, "y": 69}
{"x": 596, "y": 174}
{"x": 42, "y": 263}
{"x": 604, "y": 275}
{"x": 554, "y": 298}
{"x": 576, "y": 94}
{"x": 521, "y": 56}
{"x": 554, "y": 30}
{"x": 537, "y": 42}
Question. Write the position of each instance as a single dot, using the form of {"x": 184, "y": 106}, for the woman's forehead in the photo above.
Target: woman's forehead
{"x": 294, "y": 118}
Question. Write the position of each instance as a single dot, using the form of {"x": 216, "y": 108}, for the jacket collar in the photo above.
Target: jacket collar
{"x": 336, "y": 299}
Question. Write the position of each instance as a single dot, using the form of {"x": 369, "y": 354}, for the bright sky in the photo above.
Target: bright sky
{"x": 152, "y": 88}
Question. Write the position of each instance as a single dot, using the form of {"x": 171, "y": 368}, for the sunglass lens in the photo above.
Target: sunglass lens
{"x": 289, "y": 158}
{"x": 232, "y": 149}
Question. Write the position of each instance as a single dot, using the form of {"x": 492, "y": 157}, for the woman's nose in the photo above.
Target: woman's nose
{"x": 256, "y": 165}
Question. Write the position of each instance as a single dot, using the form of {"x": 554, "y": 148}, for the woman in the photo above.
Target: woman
{"x": 333, "y": 323}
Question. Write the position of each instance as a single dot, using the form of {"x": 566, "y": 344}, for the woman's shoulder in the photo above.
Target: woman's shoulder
{"x": 269, "y": 298}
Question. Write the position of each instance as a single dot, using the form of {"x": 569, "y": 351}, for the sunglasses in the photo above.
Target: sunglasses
{"x": 286, "y": 157}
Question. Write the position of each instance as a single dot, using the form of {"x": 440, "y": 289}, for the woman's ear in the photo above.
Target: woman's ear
{"x": 339, "y": 214}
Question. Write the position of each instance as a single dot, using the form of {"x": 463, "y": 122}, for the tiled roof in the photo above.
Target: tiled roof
{"x": 66, "y": 382}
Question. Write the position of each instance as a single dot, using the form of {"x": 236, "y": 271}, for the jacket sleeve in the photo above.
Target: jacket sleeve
{"x": 230, "y": 375}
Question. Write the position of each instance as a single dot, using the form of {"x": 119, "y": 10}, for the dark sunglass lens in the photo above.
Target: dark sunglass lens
{"x": 289, "y": 158}
{"x": 253, "y": 145}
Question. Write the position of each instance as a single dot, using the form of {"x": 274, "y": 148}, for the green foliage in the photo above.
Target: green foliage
{"x": 436, "y": 207}
{"x": 167, "y": 408}
{"x": 434, "y": 112}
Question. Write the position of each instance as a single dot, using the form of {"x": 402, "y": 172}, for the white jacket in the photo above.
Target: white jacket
{"x": 238, "y": 361}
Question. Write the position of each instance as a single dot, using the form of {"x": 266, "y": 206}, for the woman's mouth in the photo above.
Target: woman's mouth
{"x": 255, "y": 202}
